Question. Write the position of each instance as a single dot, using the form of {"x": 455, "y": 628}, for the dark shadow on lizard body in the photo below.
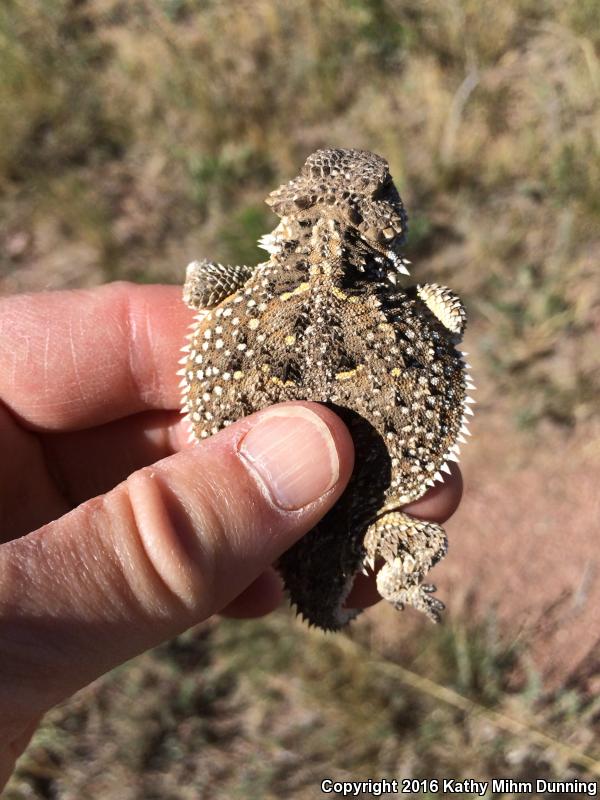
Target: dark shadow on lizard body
{"x": 329, "y": 560}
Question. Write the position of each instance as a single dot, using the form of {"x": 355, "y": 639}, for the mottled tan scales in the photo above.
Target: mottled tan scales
{"x": 329, "y": 318}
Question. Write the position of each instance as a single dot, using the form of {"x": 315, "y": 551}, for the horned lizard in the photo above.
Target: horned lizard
{"x": 327, "y": 318}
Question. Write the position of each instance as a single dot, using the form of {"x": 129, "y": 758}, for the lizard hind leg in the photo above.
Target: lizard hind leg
{"x": 409, "y": 548}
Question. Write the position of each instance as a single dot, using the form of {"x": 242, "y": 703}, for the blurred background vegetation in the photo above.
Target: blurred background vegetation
{"x": 135, "y": 136}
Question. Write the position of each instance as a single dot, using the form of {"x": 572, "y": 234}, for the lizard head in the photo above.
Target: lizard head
{"x": 355, "y": 188}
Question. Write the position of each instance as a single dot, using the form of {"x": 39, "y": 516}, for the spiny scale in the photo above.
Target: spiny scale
{"x": 328, "y": 318}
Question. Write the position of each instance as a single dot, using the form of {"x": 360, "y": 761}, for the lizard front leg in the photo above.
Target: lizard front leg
{"x": 207, "y": 284}
{"x": 409, "y": 548}
{"x": 446, "y": 305}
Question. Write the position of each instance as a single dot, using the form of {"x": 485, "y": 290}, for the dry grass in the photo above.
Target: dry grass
{"x": 268, "y": 709}
{"x": 137, "y": 135}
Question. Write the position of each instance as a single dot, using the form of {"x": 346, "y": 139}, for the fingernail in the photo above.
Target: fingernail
{"x": 294, "y": 455}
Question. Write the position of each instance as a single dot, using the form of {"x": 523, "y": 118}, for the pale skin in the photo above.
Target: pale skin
{"x": 115, "y": 533}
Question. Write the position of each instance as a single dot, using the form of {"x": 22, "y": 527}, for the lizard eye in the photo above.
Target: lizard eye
{"x": 303, "y": 201}
{"x": 383, "y": 188}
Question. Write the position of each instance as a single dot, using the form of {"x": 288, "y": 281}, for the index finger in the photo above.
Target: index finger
{"x": 74, "y": 359}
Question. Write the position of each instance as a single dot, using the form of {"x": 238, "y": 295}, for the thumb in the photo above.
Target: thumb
{"x": 167, "y": 548}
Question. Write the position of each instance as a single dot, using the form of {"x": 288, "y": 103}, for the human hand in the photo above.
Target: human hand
{"x": 89, "y": 401}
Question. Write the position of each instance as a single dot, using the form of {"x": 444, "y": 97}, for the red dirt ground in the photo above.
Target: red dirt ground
{"x": 525, "y": 542}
